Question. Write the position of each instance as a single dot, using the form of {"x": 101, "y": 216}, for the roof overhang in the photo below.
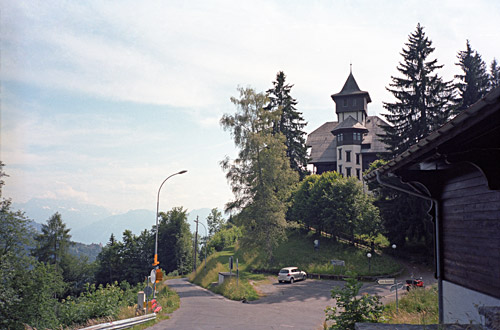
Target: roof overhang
{"x": 431, "y": 150}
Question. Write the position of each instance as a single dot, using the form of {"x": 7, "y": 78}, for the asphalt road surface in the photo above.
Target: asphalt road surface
{"x": 291, "y": 306}
{"x": 299, "y": 305}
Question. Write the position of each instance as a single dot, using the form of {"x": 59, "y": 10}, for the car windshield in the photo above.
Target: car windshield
{"x": 284, "y": 271}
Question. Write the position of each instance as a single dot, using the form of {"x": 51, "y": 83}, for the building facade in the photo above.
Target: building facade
{"x": 350, "y": 144}
{"x": 457, "y": 168}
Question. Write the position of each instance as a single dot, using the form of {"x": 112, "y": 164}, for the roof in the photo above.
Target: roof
{"x": 349, "y": 124}
{"x": 373, "y": 125}
{"x": 467, "y": 119}
{"x": 323, "y": 143}
{"x": 351, "y": 88}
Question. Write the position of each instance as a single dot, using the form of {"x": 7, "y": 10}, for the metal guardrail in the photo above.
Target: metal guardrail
{"x": 122, "y": 324}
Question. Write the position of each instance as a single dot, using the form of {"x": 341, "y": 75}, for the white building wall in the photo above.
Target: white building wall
{"x": 460, "y": 305}
{"x": 354, "y": 149}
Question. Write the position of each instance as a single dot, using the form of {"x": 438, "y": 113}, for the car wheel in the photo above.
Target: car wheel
{"x": 280, "y": 281}
{"x": 291, "y": 280}
{"x": 304, "y": 278}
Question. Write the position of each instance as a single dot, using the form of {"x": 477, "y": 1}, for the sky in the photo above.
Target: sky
{"x": 102, "y": 100}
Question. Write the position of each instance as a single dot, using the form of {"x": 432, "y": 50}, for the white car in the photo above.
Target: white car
{"x": 291, "y": 274}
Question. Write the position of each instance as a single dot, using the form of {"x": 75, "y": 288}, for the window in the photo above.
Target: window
{"x": 345, "y": 102}
{"x": 354, "y": 102}
{"x": 348, "y": 171}
{"x": 340, "y": 153}
{"x": 357, "y": 136}
{"x": 340, "y": 137}
{"x": 358, "y": 173}
{"x": 340, "y": 169}
{"x": 357, "y": 159}
{"x": 348, "y": 156}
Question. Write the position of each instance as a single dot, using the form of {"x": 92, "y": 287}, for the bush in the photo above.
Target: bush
{"x": 96, "y": 302}
{"x": 224, "y": 238}
{"x": 351, "y": 309}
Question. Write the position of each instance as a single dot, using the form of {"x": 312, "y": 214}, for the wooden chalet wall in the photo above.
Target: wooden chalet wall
{"x": 470, "y": 231}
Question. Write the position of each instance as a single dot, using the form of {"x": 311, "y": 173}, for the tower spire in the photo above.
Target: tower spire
{"x": 351, "y": 66}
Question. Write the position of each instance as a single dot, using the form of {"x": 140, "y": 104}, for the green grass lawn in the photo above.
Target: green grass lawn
{"x": 296, "y": 251}
{"x": 419, "y": 306}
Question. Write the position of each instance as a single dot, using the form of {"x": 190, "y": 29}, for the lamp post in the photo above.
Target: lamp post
{"x": 369, "y": 255}
{"x": 156, "y": 262}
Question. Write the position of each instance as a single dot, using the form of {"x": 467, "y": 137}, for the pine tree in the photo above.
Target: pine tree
{"x": 290, "y": 123}
{"x": 53, "y": 242}
{"x": 494, "y": 74}
{"x": 422, "y": 97}
{"x": 473, "y": 84}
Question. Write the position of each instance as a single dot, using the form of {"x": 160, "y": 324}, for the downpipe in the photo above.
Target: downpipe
{"x": 436, "y": 238}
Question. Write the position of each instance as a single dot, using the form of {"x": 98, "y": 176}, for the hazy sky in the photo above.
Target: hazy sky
{"x": 102, "y": 100}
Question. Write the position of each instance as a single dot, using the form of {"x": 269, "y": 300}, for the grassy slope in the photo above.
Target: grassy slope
{"x": 296, "y": 251}
{"x": 419, "y": 306}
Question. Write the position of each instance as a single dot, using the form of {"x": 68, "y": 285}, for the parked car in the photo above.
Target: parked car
{"x": 291, "y": 274}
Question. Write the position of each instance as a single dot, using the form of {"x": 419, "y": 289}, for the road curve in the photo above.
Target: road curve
{"x": 293, "y": 306}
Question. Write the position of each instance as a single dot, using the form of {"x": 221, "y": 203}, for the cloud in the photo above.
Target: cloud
{"x": 102, "y": 100}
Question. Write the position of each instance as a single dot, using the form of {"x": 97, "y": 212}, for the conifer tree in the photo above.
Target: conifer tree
{"x": 290, "y": 123}
{"x": 422, "y": 98}
{"x": 53, "y": 242}
{"x": 494, "y": 74}
{"x": 473, "y": 84}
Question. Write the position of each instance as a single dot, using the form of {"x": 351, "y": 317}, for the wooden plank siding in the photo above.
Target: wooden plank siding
{"x": 470, "y": 231}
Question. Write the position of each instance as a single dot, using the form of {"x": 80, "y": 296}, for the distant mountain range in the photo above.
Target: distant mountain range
{"x": 94, "y": 224}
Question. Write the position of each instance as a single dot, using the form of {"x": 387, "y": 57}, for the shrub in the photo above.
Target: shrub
{"x": 224, "y": 238}
{"x": 350, "y": 308}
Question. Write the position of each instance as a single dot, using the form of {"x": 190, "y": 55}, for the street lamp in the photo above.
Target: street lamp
{"x": 156, "y": 262}
{"x": 369, "y": 255}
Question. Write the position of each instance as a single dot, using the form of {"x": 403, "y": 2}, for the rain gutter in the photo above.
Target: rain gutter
{"x": 436, "y": 238}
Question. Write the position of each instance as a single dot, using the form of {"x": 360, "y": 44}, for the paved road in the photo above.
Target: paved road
{"x": 296, "y": 306}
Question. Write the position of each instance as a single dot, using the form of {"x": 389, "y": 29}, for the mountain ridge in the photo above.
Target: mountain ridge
{"x": 78, "y": 218}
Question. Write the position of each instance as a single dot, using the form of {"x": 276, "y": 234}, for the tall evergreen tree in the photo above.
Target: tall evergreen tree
{"x": 422, "y": 97}
{"x": 290, "y": 123}
{"x": 494, "y": 74}
{"x": 53, "y": 242}
{"x": 473, "y": 83}
{"x": 261, "y": 177}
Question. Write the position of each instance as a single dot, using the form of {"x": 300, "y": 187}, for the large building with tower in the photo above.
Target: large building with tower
{"x": 350, "y": 144}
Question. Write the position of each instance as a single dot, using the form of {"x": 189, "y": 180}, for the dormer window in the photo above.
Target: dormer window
{"x": 340, "y": 137}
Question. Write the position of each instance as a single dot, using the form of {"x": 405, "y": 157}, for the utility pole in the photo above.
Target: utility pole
{"x": 195, "y": 244}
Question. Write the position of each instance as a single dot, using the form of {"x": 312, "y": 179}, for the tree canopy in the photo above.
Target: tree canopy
{"x": 422, "y": 98}
{"x": 473, "y": 83}
{"x": 261, "y": 177}
{"x": 54, "y": 241}
{"x": 334, "y": 204}
{"x": 288, "y": 122}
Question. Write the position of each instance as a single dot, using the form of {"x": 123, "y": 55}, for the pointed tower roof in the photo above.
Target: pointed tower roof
{"x": 351, "y": 88}
{"x": 349, "y": 124}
